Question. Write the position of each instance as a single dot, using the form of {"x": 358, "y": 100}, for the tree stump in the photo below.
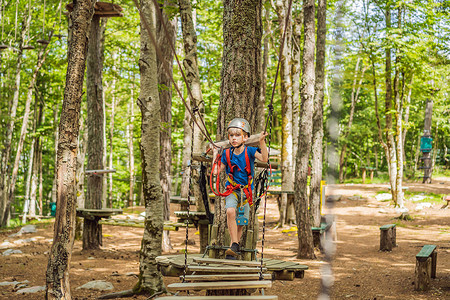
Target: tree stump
{"x": 388, "y": 237}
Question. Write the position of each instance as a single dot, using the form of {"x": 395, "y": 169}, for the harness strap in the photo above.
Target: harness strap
{"x": 233, "y": 185}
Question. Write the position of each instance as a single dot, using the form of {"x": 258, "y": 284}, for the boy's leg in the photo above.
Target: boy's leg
{"x": 231, "y": 202}
{"x": 232, "y": 226}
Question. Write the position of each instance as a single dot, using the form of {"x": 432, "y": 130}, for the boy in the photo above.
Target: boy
{"x": 242, "y": 160}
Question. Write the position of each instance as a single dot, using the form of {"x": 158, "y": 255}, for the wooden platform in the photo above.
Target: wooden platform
{"x": 98, "y": 213}
{"x": 173, "y": 265}
{"x": 168, "y": 225}
{"x": 257, "y": 297}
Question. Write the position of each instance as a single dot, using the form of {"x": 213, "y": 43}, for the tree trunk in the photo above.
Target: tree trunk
{"x": 398, "y": 133}
{"x": 150, "y": 279}
{"x": 296, "y": 71}
{"x": 57, "y": 276}
{"x": 426, "y": 156}
{"x": 23, "y": 131}
{"x": 287, "y": 165}
{"x": 6, "y": 154}
{"x": 240, "y": 77}
{"x": 165, "y": 98}
{"x": 131, "y": 146}
{"x": 111, "y": 134}
{"x": 317, "y": 133}
{"x": 92, "y": 230}
{"x": 391, "y": 153}
{"x": 305, "y": 238}
{"x": 56, "y": 136}
{"x": 265, "y": 61}
{"x": 353, "y": 99}
{"x": 190, "y": 64}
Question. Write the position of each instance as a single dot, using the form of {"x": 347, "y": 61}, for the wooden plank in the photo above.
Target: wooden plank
{"x": 388, "y": 226}
{"x": 255, "y": 297}
{"x": 280, "y": 192}
{"x": 179, "y": 200}
{"x": 286, "y": 265}
{"x": 206, "y": 158}
{"x": 229, "y": 262}
{"x": 93, "y": 172}
{"x": 226, "y": 277}
{"x": 222, "y": 269}
{"x": 219, "y": 285}
{"x": 252, "y": 141}
{"x": 426, "y": 251}
{"x": 191, "y": 213}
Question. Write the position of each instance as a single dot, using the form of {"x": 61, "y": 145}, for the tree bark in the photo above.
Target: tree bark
{"x": 265, "y": 61}
{"x": 150, "y": 279}
{"x": 131, "y": 146}
{"x": 190, "y": 64}
{"x": 398, "y": 134}
{"x": 287, "y": 164}
{"x": 23, "y": 131}
{"x": 111, "y": 134}
{"x": 305, "y": 238}
{"x": 92, "y": 230}
{"x": 240, "y": 78}
{"x": 6, "y": 154}
{"x": 353, "y": 99}
{"x": 317, "y": 132}
{"x": 57, "y": 276}
{"x": 391, "y": 153}
{"x": 165, "y": 97}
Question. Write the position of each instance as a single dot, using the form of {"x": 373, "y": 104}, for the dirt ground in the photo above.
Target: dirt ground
{"x": 360, "y": 270}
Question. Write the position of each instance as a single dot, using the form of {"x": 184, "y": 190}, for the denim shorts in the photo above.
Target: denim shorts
{"x": 231, "y": 202}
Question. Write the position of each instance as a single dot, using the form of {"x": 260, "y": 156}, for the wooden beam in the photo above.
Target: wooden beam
{"x": 206, "y": 158}
{"x": 220, "y": 285}
{"x": 221, "y": 269}
{"x": 253, "y": 141}
{"x": 94, "y": 172}
{"x": 255, "y": 297}
{"x": 228, "y": 262}
{"x": 226, "y": 277}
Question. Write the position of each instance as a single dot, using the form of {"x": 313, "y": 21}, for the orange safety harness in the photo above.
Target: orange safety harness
{"x": 233, "y": 186}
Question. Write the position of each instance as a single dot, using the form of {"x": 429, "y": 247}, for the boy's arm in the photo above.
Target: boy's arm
{"x": 264, "y": 155}
{"x": 222, "y": 166}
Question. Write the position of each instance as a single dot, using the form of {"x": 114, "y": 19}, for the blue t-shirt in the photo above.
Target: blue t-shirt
{"x": 240, "y": 175}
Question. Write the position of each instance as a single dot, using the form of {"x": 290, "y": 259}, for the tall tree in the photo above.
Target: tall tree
{"x": 317, "y": 131}
{"x": 305, "y": 240}
{"x": 165, "y": 40}
{"x": 190, "y": 64}
{"x": 391, "y": 153}
{"x": 240, "y": 75}
{"x": 150, "y": 279}
{"x": 57, "y": 276}
{"x": 6, "y": 153}
{"x": 92, "y": 230}
{"x": 287, "y": 166}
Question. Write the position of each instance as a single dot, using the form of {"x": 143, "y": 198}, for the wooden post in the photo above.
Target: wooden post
{"x": 433, "y": 264}
{"x": 387, "y": 237}
{"x": 363, "y": 175}
{"x": 249, "y": 245}
{"x": 371, "y": 175}
{"x": 423, "y": 271}
{"x": 213, "y": 241}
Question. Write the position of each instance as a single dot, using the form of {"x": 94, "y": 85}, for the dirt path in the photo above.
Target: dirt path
{"x": 360, "y": 270}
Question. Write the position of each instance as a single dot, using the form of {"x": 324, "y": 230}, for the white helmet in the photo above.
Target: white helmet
{"x": 241, "y": 124}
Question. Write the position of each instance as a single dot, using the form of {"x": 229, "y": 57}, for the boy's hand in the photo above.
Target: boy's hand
{"x": 262, "y": 137}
